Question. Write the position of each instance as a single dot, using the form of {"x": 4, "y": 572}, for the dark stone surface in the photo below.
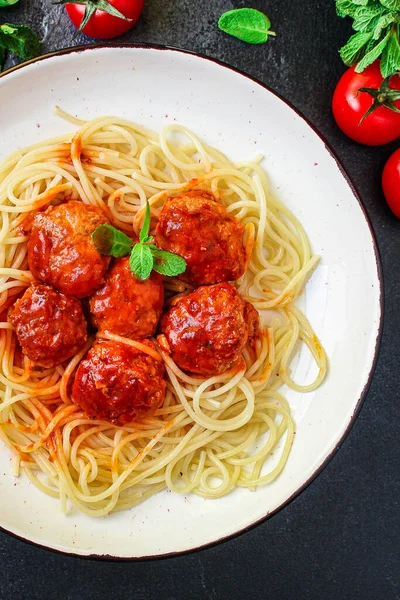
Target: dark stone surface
{"x": 339, "y": 540}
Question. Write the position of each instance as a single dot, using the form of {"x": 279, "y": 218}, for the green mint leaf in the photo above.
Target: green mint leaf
{"x": 346, "y": 8}
{"x": 141, "y": 261}
{"x": 167, "y": 263}
{"x": 352, "y": 51}
{"x": 390, "y": 61}
{"x": 8, "y": 2}
{"x": 367, "y": 18}
{"x": 391, "y": 4}
{"x": 19, "y": 39}
{"x": 384, "y": 21}
{"x": 371, "y": 44}
{"x": 246, "y": 24}
{"x": 372, "y": 55}
{"x": 378, "y": 25}
{"x": 3, "y": 56}
{"x": 111, "y": 242}
{"x": 144, "y": 232}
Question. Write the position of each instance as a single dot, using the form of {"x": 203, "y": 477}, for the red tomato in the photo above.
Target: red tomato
{"x": 382, "y": 125}
{"x": 391, "y": 182}
{"x": 102, "y": 25}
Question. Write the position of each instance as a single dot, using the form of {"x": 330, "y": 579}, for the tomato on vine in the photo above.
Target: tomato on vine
{"x": 367, "y": 107}
{"x": 103, "y": 19}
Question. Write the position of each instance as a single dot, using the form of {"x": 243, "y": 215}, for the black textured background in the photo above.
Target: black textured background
{"x": 340, "y": 539}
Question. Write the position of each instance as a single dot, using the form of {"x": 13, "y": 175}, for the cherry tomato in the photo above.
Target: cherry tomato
{"x": 391, "y": 182}
{"x": 349, "y": 106}
{"x": 102, "y": 25}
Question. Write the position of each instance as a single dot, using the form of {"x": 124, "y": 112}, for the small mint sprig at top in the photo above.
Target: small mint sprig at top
{"x": 145, "y": 257}
{"x": 377, "y": 27}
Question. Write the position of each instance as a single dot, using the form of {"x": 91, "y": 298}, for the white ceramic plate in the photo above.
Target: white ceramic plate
{"x": 241, "y": 117}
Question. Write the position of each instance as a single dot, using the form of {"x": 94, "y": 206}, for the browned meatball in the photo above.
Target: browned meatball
{"x": 207, "y": 330}
{"x": 252, "y": 319}
{"x": 50, "y": 326}
{"x": 61, "y": 250}
{"x": 196, "y": 227}
{"x": 119, "y": 383}
{"x": 125, "y": 305}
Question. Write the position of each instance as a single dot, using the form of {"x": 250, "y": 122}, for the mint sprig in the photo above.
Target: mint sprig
{"x": 377, "y": 23}
{"x": 8, "y": 2}
{"x": 144, "y": 256}
{"x": 20, "y": 40}
{"x": 111, "y": 242}
{"x": 141, "y": 261}
{"x": 167, "y": 263}
{"x": 246, "y": 24}
{"x": 144, "y": 232}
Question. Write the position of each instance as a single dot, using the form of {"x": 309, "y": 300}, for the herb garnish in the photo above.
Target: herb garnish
{"x": 247, "y": 24}
{"x": 377, "y": 23}
{"x": 144, "y": 256}
{"x": 111, "y": 242}
{"x": 20, "y": 40}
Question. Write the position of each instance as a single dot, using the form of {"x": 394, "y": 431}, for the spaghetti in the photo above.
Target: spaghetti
{"x": 211, "y": 435}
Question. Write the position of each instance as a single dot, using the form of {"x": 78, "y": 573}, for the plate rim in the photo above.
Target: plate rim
{"x": 162, "y": 47}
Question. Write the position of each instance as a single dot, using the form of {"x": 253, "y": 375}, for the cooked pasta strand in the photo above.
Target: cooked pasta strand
{"x": 211, "y": 434}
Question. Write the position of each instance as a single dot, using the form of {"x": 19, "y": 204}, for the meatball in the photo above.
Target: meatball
{"x": 207, "y": 330}
{"x": 252, "y": 319}
{"x": 61, "y": 250}
{"x": 125, "y": 305}
{"x": 50, "y": 326}
{"x": 119, "y": 383}
{"x": 200, "y": 230}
